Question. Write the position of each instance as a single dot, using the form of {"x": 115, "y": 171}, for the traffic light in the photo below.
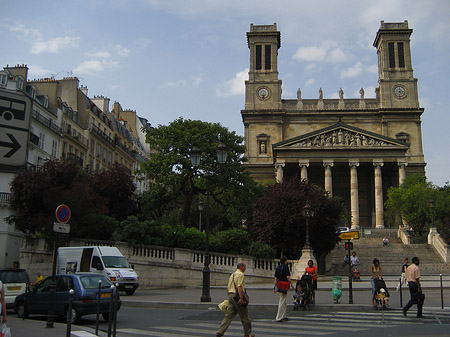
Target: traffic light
{"x": 349, "y": 245}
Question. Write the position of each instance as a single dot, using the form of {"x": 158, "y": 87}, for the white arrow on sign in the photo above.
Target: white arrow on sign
{"x": 59, "y": 227}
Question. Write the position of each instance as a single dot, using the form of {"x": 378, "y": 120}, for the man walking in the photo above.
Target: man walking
{"x": 236, "y": 286}
{"x": 413, "y": 279}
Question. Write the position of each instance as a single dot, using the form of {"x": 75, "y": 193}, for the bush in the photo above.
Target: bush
{"x": 98, "y": 227}
{"x": 261, "y": 250}
{"x": 138, "y": 232}
{"x": 232, "y": 241}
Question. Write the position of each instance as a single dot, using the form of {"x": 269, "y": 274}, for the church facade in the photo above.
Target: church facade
{"x": 353, "y": 148}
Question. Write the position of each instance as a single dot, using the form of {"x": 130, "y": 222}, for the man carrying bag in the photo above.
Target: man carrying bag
{"x": 237, "y": 302}
{"x": 413, "y": 279}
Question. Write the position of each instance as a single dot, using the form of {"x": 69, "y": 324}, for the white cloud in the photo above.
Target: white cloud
{"x": 196, "y": 81}
{"x": 327, "y": 51}
{"x": 38, "y": 71}
{"x": 233, "y": 87}
{"x": 122, "y": 51}
{"x": 309, "y": 82}
{"x": 337, "y": 55}
{"x": 310, "y": 67}
{"x": 100, "y": 54}
{"x": 54, "y": 45}
{"x": 352, "y": 72}
{"x": 89, "y": 67}
{"x": 174, "y": 84}
{"x": 373, "y": 69}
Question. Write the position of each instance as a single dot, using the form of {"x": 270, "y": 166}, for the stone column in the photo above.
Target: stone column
{"x": 328, "y": 164}
{"x": 354, "y": 197}
{"x": 304, "y": 164}
{"x": 401, "y": 171}
{"x": 279, "y": 171}
{"x": 379, "y": 210}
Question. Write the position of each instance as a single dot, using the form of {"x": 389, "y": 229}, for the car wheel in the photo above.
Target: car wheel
{"x": 130, "y": 291}
{"x": 106, "y": 316}
{"x": 22, "y": 311}
{"x": 75, "y": 316}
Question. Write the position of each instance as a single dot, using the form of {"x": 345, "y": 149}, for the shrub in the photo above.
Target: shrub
{"x": 261, "y": 250}
{"x": 232, "y": 241}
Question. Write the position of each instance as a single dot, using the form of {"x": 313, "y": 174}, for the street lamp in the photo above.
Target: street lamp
{"x": 432, "y": 212}
{"x": 221, "y": 152}
{"x": 307, "y": 213}
{"x": 200, "y": 209}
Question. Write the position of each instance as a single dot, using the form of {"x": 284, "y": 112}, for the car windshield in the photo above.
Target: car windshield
{"x": 14, "y": 276}
{"x": 115, "y": 262}
{"x": 91, "y": 282}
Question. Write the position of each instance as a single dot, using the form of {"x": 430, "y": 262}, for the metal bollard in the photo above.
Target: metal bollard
{"x": 98, "y": 306}
{"x": 116, "y": 300}
{"x": 110, "y": 312}
{"x": 400, "y": 290}
{"x": 442, "y": 293}
{"x": 69, "y": 314}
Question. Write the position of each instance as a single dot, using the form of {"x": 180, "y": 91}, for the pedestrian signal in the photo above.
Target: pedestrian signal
{"x": 349, "y": 245}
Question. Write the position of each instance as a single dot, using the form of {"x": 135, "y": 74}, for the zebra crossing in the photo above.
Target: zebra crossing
{"x": 308, "y": 324}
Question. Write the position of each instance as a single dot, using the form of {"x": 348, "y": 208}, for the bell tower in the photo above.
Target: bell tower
{"x": 263, "y": 88}
{"x": 397, "y": 85}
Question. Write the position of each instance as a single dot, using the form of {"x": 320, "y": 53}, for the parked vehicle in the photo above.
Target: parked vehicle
{"x": 85, "y": 297}
{"x": 108, "y": 261}
{"x": 342, "y": 230}
{"x": 15, "y": 282}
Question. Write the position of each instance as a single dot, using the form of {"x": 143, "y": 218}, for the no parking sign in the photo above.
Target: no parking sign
{"x": 63, "y": 213}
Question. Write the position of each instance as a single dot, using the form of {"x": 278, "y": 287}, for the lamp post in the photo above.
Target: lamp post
{"x": 221, "y": 152}
{"x": 200, "y": 209}
{"x": 307, "y": 213}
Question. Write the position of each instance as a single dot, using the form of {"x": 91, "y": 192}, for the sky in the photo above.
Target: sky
{"x": 189, "y": 58}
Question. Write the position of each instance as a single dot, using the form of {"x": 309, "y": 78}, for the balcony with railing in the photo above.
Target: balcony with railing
{"x": 72, "y": 157}
{"x": 46, "y": 122}
{"x": 96, "y": 130}
{"x": 5, "y": 198}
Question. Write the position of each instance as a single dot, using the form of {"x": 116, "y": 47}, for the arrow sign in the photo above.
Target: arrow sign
{"x": 349, "y": 235}
{"x": 14, "y": 145}
{"x": 61, "y": 227}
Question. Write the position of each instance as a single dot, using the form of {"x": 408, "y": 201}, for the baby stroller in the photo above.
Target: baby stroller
{"x": 303, "y": 293}
{"x": 381, "y": 297}
{"x": 355, "y": 273}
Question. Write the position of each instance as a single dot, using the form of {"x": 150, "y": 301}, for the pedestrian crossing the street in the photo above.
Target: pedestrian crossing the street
{"x": 307, "y": 324}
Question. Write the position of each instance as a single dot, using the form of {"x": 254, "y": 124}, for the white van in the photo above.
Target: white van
{"x": 98, "y": 259}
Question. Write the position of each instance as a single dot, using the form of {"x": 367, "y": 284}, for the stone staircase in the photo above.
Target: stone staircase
{"x": 391, "y": 257}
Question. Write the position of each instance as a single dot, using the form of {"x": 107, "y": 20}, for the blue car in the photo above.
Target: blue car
{"x": 85, "y": 297}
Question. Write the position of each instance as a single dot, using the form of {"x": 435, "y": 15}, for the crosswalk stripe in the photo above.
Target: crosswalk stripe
{"x": 343, "y": 327}
{"x": 151, "y": 333}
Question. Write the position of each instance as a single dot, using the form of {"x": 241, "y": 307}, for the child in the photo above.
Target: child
{"x": 299, "y": 296}
{"x": 383, "y": 297}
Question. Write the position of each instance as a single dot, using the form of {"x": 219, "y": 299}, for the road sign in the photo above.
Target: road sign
{"x": 349, "y": 235}
{"x": 61, "y": 227}
{"x": 63, "y": 213}
{"x": 15, "y": 111}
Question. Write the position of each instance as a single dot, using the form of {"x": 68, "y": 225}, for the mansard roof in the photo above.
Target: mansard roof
{"x": 341, "y": 136}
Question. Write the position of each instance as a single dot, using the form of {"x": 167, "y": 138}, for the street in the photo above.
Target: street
{"x": 323, "y": 319}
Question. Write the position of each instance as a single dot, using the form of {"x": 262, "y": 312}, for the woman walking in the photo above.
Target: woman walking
{"x": 375, "y": 272}
{"x": 282, "y": 284}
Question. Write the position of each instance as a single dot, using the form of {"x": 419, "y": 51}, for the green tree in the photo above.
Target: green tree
{"x": 36, "y": 194}
{"x": 412, "y": 202}
{"x": 177, "y": 186}
{"x": 278, "y": 221}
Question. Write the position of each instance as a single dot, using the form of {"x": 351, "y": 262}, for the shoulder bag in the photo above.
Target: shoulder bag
{"x": 245, "y": 297}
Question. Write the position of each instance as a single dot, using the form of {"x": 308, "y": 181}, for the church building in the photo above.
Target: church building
{"x": 354, "y": 148}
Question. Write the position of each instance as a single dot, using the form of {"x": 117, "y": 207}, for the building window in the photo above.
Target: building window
{"x": 401, "y": 55}
{"x": 3, "y": 79}
{"x": 54, "y": 148}
{"x": 268, "y": 57}
{"x": 41, "y": 140}
{"x": 391, "y": 55}
{"x": 19, "y": 82}
{"x": 258, "y": 57}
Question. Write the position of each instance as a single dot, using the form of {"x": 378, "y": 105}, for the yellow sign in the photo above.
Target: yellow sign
{"x": 349, "y": 235}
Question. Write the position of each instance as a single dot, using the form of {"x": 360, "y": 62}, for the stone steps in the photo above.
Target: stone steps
{"x": 391, "y": 257}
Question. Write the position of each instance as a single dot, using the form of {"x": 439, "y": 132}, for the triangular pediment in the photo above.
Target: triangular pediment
{"x": 341, "y": 136}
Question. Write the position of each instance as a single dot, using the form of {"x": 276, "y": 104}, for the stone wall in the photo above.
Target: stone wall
{"x": 158, "y": 266}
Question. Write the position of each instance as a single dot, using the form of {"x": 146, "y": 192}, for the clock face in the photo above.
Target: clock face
{"x": 399, "y": 91}
{"x": 263, "y": 93}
